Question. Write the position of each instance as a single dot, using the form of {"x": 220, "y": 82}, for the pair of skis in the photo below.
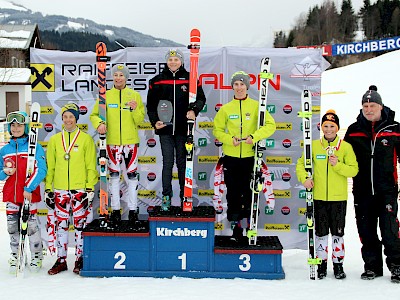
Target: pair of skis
{"x": 187, "y": 205}
{"x": 306, "y": 115}
{"x": 101, "y": 62}
{"x": 32, "y": 144}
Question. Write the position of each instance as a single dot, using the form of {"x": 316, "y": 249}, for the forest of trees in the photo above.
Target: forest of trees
{"x": 324, "y": 24}
{"x": 77, "y": 41}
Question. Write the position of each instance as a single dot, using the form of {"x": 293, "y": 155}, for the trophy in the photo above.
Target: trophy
{"x": 165, "y": 111}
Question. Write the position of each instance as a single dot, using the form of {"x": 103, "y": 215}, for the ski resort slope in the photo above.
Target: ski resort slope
{"x": 354, "y": 81}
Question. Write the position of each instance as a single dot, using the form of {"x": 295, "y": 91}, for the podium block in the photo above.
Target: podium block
{"x": 177, "y": 244}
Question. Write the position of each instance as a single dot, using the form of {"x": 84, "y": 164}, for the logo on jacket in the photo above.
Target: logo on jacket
{"x": 184, "y": 88}
{"x": 385, "y": 142}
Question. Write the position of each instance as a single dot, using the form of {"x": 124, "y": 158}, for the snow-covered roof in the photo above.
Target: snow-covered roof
{"x": 15, "y": 75}
{"x": 16, "y": 36}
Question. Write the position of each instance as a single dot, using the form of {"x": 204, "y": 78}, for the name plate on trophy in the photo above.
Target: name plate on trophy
{"x": 165, "y": 112}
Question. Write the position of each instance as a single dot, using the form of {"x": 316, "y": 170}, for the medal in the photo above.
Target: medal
{"x": 330, "y": 151}
{"x": 67, "y": 156}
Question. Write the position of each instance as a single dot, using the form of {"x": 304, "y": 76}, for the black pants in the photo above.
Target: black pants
{"x": 373, "y": 210}
{"x": 237, "y": 176}
{"x": 171, "y": 145}
{"x": 330, "y": 216}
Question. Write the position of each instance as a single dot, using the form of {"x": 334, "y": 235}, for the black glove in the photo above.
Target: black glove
{"x": 49, "y": 199}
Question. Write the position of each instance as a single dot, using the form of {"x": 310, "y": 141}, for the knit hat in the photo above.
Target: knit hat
{"x": 331, "y": 117}
{"x": 72, "y": 108}
{"x": 120, "y": 68}
{"x": 372, "y": 96}
{"x": 174, "y": 52}
{"x": 241, "y": 76}
{"x": 373, "y": 88}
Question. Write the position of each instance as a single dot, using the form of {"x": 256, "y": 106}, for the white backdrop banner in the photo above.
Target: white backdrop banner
{"x": 60, "y": 77}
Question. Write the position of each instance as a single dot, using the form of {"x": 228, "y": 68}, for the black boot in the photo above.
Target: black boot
{"x": 237, "y": 232}
{"x": 133, "y": 216}
{"x": 115, "y": 218}
{"x": 321, "y": 271}
{"x": 395, "y": 270}
{"x": 338, "y": 271}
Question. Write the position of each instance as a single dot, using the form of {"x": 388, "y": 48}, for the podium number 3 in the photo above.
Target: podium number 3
{"x": 246, "y": 262}
{"x": 119, "y": 265}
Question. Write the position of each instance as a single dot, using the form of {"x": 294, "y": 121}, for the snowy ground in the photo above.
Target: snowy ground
{"x": 352, "y": 82}
{"x": 296, "y": 285}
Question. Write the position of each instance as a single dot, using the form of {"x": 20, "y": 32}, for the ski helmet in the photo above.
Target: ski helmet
{"x": 20, "y": 117}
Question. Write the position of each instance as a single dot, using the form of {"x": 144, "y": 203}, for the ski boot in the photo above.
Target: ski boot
{"x": 166, "y": 203}
{"x": 13, "y": 263}
{"x": 237, "y": 231}
{"x": 395, "y": 277}
{"x": 36, "y": 263}
{"x": 115, "y": 219}
{"x": 78, "y": 265}
{"x": 338, "y": 271}
{"x": 370, "y": 274}
{"x": 59, "y": 266}
{"x": 322, "y": 269}
{"x": 133, "y": 216}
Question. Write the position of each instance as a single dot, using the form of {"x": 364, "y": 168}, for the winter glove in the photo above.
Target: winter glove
{"x": 87, "y": 198}
{"x": 49, "y": 199}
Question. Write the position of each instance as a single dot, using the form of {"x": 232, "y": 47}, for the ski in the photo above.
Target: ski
{"x": 30, "y": 166}
{"x": 194, "y": 47}
{"x": 101, "y": 61}
{"x": 257, "y": 180}
{"x": 306, "y": 115}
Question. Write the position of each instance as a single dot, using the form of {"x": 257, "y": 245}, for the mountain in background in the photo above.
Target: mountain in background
{"x": 70, "y": 34}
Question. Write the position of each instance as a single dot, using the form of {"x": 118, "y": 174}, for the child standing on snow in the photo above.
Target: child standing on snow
{"x": 70, "y": 181}
{"x": 13, "y": 163}
{"x": 333, "y": 162}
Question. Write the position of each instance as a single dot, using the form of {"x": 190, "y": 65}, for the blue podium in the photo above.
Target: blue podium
{"x": 180, "y": 244}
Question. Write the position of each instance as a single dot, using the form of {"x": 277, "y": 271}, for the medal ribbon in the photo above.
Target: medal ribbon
{"x": 330, "y": 147}
{"x": 67, "y": 151}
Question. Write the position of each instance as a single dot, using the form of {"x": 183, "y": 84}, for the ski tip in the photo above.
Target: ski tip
{"x": 195, "y": 32}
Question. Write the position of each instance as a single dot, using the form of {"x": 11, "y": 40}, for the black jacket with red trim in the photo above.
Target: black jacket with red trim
{"x": 173, "y": 87}
{"x": 377, "y": 155}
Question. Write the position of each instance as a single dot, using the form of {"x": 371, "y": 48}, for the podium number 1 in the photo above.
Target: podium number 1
{"x": 183, "y": 259}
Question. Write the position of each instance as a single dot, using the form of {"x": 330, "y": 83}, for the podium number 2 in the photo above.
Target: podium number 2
{"x": 119, "y": 265}
{"x": 246, "y": 262}
{"x": 183, "y": 259}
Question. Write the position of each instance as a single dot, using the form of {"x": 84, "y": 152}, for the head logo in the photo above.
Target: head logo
{"x": 151, "y": 176}
{"x": 151, "y": 143}
{"x": 48, "y": 127}
{"x": 286, "y": 143}
{"x": 218, "y": 106}
{"x": 83, "y": 110}
{"x": 287, "y": 109}
{"x": 202, "y": 142}
{"x": 286, "y": 177}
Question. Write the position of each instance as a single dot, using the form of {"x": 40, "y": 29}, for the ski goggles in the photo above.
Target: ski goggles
{"x": 16, "y": 117}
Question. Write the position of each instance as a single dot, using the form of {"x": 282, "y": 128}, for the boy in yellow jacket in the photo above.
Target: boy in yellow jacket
{"x": 125, "y": 111}
{"x": 70, "y": 180}
{"x": 333, "y": 162}
{"x": 235, "y": 125}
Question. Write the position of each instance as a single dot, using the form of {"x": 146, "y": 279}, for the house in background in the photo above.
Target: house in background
{"x": 15, "y": 84}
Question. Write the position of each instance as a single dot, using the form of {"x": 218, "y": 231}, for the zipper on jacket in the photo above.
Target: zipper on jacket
{"x": 327, "y": 175}
{"x": 241, "y": 126}
{"x": 173, "y": 122}
{"x": 69, "y": 143}
{"x": 16, "y": 172}
{"x": 372, "y": 157}
{"x": 120, "y": 117}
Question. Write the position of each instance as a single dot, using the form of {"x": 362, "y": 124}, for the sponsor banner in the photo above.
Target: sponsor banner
{"x": 387, "y": 44}
{"x": 59, "y": 77}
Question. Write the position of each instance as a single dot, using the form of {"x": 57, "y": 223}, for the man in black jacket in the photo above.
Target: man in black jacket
{"x": 375, "y": 138}
{"x": 172, "y": 84}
